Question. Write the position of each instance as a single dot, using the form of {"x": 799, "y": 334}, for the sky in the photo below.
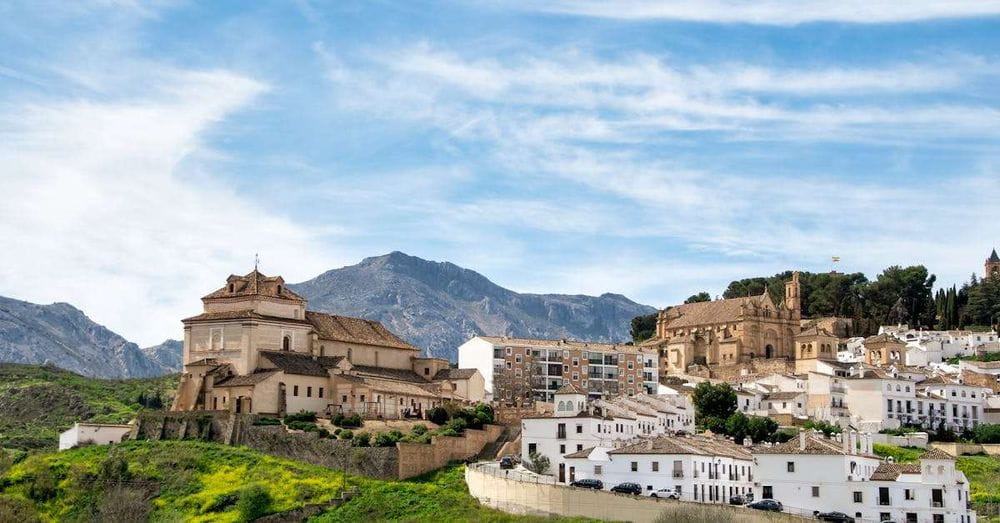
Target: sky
{"x": 654, "y": 149}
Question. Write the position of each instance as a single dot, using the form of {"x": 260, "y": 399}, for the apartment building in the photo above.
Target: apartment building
{"x": 520, "y": 369}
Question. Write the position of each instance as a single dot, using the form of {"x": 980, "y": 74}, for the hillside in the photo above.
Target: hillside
{"x": 38, "y": 402}
{"x": 194, "y": 481}
{"x": 439, "y": 305}
{"x": 62, "y": 335}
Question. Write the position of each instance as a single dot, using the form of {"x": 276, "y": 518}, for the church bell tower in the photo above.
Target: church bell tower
{"x": 992, "y": 268}
{"x": 793, "y": 298}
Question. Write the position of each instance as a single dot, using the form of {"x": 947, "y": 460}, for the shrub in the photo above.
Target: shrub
{"x": 338, "y": 419}
{"x": 222, "y": 501}
{"x": 418, "y": 429}
{"x": 114, "y": 468}
{"x": 438, "y": 415}
{"x": 254, "y": 501}
{"x": 302, "y": 415}
{"x": 323, "y": 433}
{"x": 387, "y": 439}
{"x": 486, "y": 410}
{"x": 267, "y": 421}
{"x": 124, "y": 504}
{"x": 826, "y": 428}
{"x": 16, "y": 509}
{"x": 306, "y": 426}
{"x": 345, "y": 434}
{"x": 353, "y": 421}
{"x": 361, "y": 439}
{"x": 43, "y": 486}
{"x": 537, "y": 463}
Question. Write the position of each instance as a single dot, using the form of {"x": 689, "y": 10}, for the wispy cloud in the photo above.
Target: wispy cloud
{"x": 769, "y": 12}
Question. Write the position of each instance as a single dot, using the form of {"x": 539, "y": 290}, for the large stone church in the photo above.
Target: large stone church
{"x": 737, "y": 331}
{"x": 256, "y": 349}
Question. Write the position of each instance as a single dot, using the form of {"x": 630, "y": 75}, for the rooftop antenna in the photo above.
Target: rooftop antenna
{"x": 256, "y": 261}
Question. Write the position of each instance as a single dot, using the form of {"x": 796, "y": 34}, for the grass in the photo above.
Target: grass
{"x": 898, "y": 454}
{"x": 173, "y": 481}
{"x": 38, "y": 401}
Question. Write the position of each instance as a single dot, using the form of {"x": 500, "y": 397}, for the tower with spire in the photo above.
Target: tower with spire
{"x": 992, "y": 268}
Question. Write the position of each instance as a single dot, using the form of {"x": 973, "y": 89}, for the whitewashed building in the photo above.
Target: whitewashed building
{"x": 707, "y": 469}
{"x": 93, "y": 434}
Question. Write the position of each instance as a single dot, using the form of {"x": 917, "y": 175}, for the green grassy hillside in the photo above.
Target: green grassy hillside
{"x": 37, "y": 402}
{"x": 195, "y": 481}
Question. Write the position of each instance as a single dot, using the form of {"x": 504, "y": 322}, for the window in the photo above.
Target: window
{"x": 631, "y": 365}
{"x": 791, "y": 466}
{"x": 656, "y": 466}
{"x": 362, "y": 398}
{"x": 295, "y": 390}
{"x": 815, "y": 492}
{"x": 320, "y": 391}
{"x": 562, "y": 449}
{"x": 286, "y": 343}
{"x": 508, "y": 365}
{"x": 517, "y": 359}
{"x": 426, "y": 371}
{"x": 579, "y": 447}
{"x": 344, "y": 399}
{"x": 508, "y": 351}
{"x": 908, "y": 494}
{"x": 215, "y": 340}
{"x": 576, "y": 362}
{"x": 635, "y": 466}
{"x": 532, "y": 448}
{"x": 309, "y": 392}
{"x": 579, "y": 428}
{"x": 597, "y": 470}
{"x": 858, "y": 497}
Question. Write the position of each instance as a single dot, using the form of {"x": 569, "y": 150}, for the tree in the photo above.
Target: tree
{"x": 760, "y": 428}
{"x": 253, "y": 502}
{"x": 713, "y": 401}
{"x": 537, "y": 463}
{"x": 737, "y": 426}
{"x": 643, "y": 327}
{"x": 700, "y": 297}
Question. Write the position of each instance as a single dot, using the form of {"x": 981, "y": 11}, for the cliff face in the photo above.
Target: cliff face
{"x": 62, "y": 335}
{"x": 438, "y": 305}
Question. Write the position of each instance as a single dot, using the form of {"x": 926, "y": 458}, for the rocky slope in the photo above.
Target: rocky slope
{"x": 62, "y": 335}
{"x": 438, "y": 305}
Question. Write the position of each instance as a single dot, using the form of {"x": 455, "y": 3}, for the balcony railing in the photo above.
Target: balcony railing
{"x": 679, "y": 474}
{"x": 884, "y": 501}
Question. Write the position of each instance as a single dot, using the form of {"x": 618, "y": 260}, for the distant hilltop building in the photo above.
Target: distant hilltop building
{"x": 992, "y": 267}
{"x": 256, "y": 349}
{"x": 738, "y": 331}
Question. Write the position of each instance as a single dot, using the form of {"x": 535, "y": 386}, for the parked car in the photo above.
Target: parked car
{"x": 506, "y": 463}
{"x": 738, "y": 500}
{"x": 767, "y": 504}
{"x": 834, "y": 516}
{"x": 595, "y": 484}
{"x": 627, "y": 488}
{"x": 667, "y": 493}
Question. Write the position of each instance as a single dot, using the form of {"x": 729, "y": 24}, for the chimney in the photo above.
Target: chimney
{"x": 802, "y": 440}
{"x": 747, "y": 442}
{"x": 649, "y": 444}
{"x": 854, "y": 442}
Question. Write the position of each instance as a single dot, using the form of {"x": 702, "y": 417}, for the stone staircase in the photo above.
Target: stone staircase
{"x": 492, "y": 450}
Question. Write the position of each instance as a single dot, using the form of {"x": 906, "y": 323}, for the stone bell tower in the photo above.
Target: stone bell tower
{"x": 793, "y": 296}
{"x": 992, "y": 267}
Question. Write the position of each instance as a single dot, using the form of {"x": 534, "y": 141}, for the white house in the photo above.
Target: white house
{"x": 571, "y": 427}
{"x": 92, "y": 434}
{"x": 811, "y": 474}
{"x": 708, "y": 469}
{"x": 957, "y": 405}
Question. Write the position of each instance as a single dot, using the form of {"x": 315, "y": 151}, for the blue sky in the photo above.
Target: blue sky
{"x": 656, "y": 149}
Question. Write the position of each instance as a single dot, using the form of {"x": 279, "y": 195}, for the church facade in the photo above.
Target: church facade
{"x": 992, "y": 267}
{"x": 256, "y": 349}
{"x": 734, "y": 331}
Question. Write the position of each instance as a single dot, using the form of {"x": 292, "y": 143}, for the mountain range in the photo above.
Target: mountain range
{"x": 434, "y": 305}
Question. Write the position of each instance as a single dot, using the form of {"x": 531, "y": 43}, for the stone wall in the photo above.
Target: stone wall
{"x": 959, "y": 449}
{"x": 501, "y": 491}
{"x": 203, "y": 425}
{"x": 512, "y": 415}
{"x": 979, "y": 379}
{"x": 417, "y": 458}
{"x": 760, "y": 366}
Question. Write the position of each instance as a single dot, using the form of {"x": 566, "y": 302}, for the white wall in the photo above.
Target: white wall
{"x": 92, "y": 434}
{"x": 477, "y": 353}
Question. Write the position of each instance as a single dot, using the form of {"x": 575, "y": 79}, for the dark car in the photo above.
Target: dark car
{"x": 627, "y": 488}
{"x": 836, "y": 517}
{"x": 769, "y": 505}
{"x": 595, "y": 484}
{"x": 738, "y": 500}
{"x": 506, "y": 463}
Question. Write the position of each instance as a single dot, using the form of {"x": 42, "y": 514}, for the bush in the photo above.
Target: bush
{"x": 323, "y": 433}
{"x": 537, "y": 463}
{"x": 438, "y": 415}
{"x": 418, "y": 429}
{"x": 387, "y": 439}
{"x": 254, "y": 501}
{"x": 345, "y": 434}
{"x": 826, "y": 428}
{"x": 307, "y": 426}
{"x": 114, "y": 468}
{"x": 987, "y": 433}
{"x": 43, "y": 486}
{"x": 302, "y": 415}
{"x": 267, "y": 421}
{"x": 353, "y": 421}
{"x": 124, "y": 504}
{"x": 16, "y": 509}
{"x": 361, "y": 439}
{"x": 486, "y": 410}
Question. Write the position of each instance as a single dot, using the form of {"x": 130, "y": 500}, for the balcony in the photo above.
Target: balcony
{"x": 679, "y": 474}
{"x": 561, "y": 434}
{"x": 937, "y": 504}
{"x": 884, "y": 501}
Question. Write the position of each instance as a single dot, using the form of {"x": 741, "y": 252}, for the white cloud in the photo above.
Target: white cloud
{"x": 109, "y": 204}
{"x": 769, "y": 12}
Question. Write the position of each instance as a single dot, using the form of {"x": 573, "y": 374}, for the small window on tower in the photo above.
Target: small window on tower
{"x": 279, "y": 289}
{"x": 232, "y": 288}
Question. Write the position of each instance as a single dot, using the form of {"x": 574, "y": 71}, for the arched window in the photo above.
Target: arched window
{"x": 286, "y": 343}
{"x": 279, "y": 289}
{"x": 232, "y": 288}
{"x": 562, "y": 405}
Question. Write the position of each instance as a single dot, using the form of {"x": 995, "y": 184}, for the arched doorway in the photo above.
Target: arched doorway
{"x": 768, "y": 351}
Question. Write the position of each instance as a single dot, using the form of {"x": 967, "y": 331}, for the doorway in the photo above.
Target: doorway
{"x": 562, "y": 473}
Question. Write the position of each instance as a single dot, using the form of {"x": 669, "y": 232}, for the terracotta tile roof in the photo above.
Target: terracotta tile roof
{"x": 982, "y": 364}
{"x": 560, "y": 344}
{"x": 205, "y": 362}
{"x": 247, "y": 314}
{"x": 255, "y": 284}
{"x": 814, "y": 331}
{"x": 249, "y": 379}
{"x": 936, "y": 453}
{"x": 582, "y": 414}
{"x": 699, "y": 445}
{"x": 706, "y": 312}
{"x": 883, "y": 338}
{"x": 779, "y": 396}
{"x": 570, "y": 388}
{"x": 398, "y": 387}
{"x": 891, "y": 471}
{"x": 585, "y": 453}
{"x": 814, "y": 445}
{"x": 300, "y": 363}
{"x": 454, "y": 374}
{"x": 389, "y": 374}
{"x": 354, "y": 330}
